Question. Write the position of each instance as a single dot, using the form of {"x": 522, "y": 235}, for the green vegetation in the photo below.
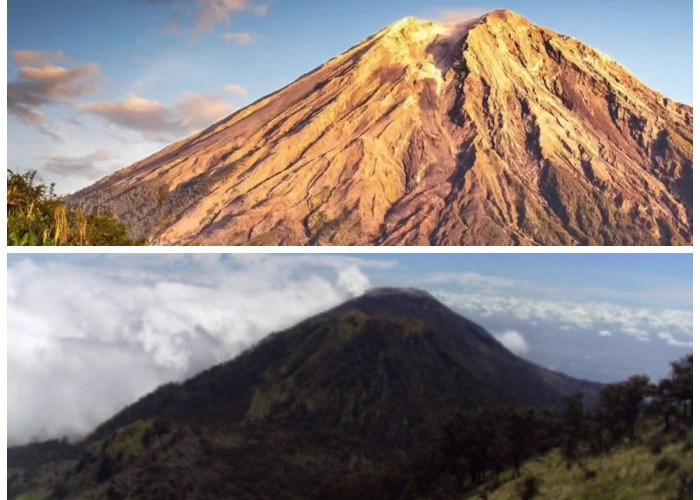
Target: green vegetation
{"x": 362, "y": 404}
{"x": 634, "y": 470}
{"x": 634, "y": 443}
{"x": 37, "y": 217}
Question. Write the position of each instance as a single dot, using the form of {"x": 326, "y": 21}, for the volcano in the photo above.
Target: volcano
{"x": 339, "y": 394}
{"x": 492, "y": 131}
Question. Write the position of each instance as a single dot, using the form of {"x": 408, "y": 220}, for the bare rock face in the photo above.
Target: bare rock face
{"x": 489, "y": 132}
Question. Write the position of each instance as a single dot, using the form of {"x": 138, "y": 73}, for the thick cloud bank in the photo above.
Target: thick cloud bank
{"x": 86, "y": 339}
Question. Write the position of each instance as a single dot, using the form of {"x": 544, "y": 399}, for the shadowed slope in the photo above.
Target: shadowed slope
{"x": 347, "y": 392}
{"x": 355, "y": 368}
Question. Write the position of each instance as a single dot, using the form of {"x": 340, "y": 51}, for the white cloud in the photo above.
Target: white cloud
{"x": 353, "y": 280}
{"x": 605, "y": 333}
{"x": 90, "y": 334}
{"x": 673, "y": 341}
{"x": 594, "y": 316}
{"x": 242, "y": 38}
{"x": 234, "y": 89}
{"x": 513, "y": 341}
{"x": 458, "y": 15}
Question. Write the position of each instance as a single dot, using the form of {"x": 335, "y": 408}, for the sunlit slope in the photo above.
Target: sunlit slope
{"x": 491, "y": 131}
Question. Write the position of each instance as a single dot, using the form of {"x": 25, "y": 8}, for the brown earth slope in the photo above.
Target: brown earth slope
{"x": 489, "y": 132}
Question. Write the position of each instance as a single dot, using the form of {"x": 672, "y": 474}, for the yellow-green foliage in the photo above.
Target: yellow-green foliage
{"x": 37, "y": 217}
{"x": 351, "y": 322}
{"x": 42, "y": 494}
{"x": 628, "y": 472}
{"x": 263, "y": 401}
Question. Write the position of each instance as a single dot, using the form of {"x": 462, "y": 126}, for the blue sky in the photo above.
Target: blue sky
{"x": 140, "y": 74}
{"x": 97, "y": 331}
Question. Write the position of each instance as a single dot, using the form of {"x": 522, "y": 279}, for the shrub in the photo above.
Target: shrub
{"x": 656, "y": 444}
{"x": 685, "y": 486}
{"x": 529, "y": 487}
{"x": 37, "y": 217}
{"x": 667, "y": 464}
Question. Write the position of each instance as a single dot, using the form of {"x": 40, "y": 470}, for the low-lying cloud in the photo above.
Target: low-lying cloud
{"x": 603, "y": 317}
{"x": 88, "y": 166}
{"x": 199, "y": 111}
{"x": 157, "y": 121}
{"x": 90, "y": 334}
{"x": 458, "y": 15}
{"x": 514, "y": 341}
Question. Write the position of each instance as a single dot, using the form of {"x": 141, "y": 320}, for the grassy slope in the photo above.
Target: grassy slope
{"x": 630, "y": 471}
{"x": 193, "y": 466}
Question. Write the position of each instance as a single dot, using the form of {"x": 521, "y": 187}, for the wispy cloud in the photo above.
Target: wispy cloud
{"x": 42, "y": 83}
{"x": 78, "y": 166}
{"x": 673, "y": 341}
{"x": 199, "y": 111}
{"x": 210, "y": 13}
{"x": 23, "y": 58}
{"x": 458, "y": 15}
{"x": 478, "y": 280}
{"x": 149, "y": 117}
{"x": 234, "y": 89}
{"x": 157, "y": 121}
{"x": 239, "y": 38}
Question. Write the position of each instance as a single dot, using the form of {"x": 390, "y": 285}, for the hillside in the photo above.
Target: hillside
{"x": 632, "y": 471}
{"x": 350, "y": 391}
{"x": 354, "y": 368}
{"x": 488, "y": 132}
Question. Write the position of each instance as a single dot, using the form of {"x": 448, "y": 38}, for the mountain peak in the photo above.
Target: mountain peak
{"x": 408, "y": 292}
{"x": 489, "y": 131}
{"x": 503, "y": 15}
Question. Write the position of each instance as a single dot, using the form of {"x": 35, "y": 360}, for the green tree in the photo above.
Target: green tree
{"x": 573, "y": 421}
{"x": 621, "y": 405}
{"x": 682, "y": 383}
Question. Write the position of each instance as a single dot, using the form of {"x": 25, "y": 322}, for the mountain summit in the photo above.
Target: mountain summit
{"x": 489, "y": 131}
{"x": 347, "y": 392}
{"x": 356, "y": 367}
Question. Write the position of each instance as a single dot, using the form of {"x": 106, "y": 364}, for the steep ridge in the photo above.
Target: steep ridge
{"x": 490, "y": 131}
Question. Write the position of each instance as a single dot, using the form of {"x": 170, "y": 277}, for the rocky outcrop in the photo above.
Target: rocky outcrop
{"x": 489, "y": 132}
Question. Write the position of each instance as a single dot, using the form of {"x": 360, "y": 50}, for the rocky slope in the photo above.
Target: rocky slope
{"x": 489, "y": 132}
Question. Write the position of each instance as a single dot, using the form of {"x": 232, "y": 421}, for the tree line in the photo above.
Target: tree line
{"x": 486, "y": 443}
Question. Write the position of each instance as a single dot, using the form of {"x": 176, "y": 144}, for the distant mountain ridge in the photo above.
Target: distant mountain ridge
{"x": 492, "y": 131}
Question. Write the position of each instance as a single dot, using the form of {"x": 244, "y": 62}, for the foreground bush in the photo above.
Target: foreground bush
{"x": 37, "y": 217}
